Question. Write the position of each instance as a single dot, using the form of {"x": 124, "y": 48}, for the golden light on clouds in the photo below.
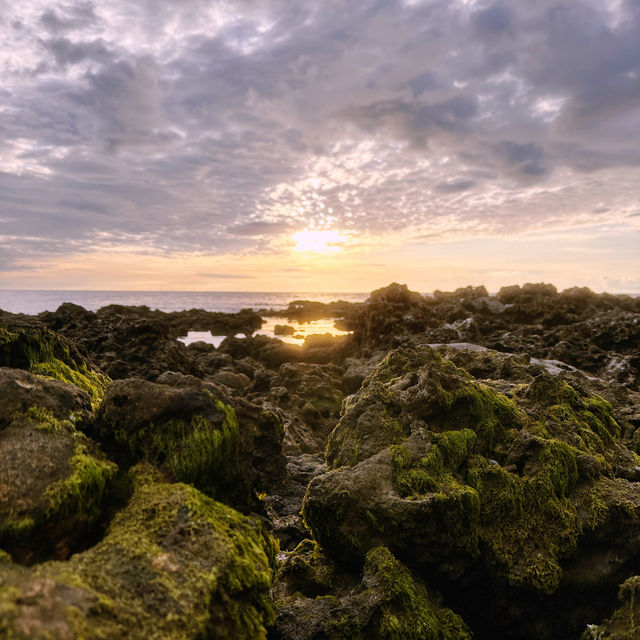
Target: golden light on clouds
{"x": 318, "y": 241}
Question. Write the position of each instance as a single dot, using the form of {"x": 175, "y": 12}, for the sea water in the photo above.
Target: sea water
{"x": 33, "y": 302}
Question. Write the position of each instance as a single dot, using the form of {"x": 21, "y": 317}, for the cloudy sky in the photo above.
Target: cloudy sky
{"x": 304, "y": 145}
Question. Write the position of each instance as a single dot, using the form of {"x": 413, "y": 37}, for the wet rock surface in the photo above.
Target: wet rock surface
{"x": 463, "y": 465}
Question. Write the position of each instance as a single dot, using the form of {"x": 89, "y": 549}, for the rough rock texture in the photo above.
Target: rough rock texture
{"x": 624, "y": 623}
{"x": 53, "y": 480}
{"x": 499, "y": 491}
{"x": 388, "y": 602}
{"x": 488, "y": 467}
{"x": 174, "y": 564}
{"x": 190, "y": 431}
{"x": 310, "y": 392}
{"x": 598, "y": 333}
{"x": 37, "y": 349}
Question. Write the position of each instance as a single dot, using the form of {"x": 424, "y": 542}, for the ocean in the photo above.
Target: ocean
{"x": 33, "y": 302}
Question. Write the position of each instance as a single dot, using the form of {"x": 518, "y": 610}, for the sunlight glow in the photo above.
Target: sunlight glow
{"x": 325, "y": 241}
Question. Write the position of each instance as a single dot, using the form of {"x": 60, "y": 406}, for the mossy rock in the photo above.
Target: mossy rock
{"x": 388, "y": 603}
{"x": 413, "y": 387}
{"x": 187, "y": 432}
{"x": 173, "y": 565}
{"x": 55, "y": 483}
{"x": 507, "y": 480}
{"x": 41, "y": 351}
{"x": 624, "y": 623}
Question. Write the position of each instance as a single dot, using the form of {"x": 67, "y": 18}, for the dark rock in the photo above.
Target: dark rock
{"x": 40, "y": 350}
{"x": 493, "y": 490}
{"x": 188, "y": 428}
{"x": 53, "y": 480}
{"x": 283, "y": 330}
{"x": 388, "y": 602}
{"x": 174, "y": 565}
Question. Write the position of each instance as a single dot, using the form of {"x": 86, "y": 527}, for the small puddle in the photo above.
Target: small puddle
{"x": 301, "y": 331}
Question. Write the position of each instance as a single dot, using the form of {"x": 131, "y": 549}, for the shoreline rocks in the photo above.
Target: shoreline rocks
{"x": 460, "y": 466}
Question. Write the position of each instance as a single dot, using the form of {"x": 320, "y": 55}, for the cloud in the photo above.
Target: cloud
{"x": 259, "y": 228}
{"x": 217, "y": 128}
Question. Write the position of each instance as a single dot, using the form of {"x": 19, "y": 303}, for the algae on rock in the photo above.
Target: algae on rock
{"x": 55, "y": 481}
{"x": 499, "y": 477}
{"x": 44, "y": 352}
{"x": 388, "y": 603}
{"x": 174, "y": 564}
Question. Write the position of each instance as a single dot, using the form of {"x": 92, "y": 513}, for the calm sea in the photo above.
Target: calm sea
{"x": 33, "y": 302}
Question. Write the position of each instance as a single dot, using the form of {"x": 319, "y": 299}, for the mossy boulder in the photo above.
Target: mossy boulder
{"x": 54, "y": 481}
{"x": 388, "y": 602}
{"x": 507, "y": 482}
{"x": 189, "y": 430}
{"x": 44, "y": 352}
{"x": 189, "y": 433}
{"x": 173, "y": 565}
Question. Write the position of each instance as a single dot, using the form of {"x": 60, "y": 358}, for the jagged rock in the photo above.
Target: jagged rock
{"x": 494, "y": 490}
{"x": 388, "y": 312}
{"x": 188, "y": 428}
{"x": 173, "y": 565}
{"x": 388, "y": 602}
{"x": 284, "y": 502}
{"x": 40, "y": 350}
{"x": 53, "y": 479}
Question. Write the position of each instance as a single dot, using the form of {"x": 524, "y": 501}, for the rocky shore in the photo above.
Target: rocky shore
{"x": 459, "y": 466}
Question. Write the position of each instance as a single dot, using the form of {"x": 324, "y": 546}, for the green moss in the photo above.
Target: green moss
{"x": 527, "y": 522}
{"x": 407, "y": 610}
{"x": 173, "y": 565}
{"x": 308, "y": 567}
{"x": 449, "y": 450}
{"x": 43, "y": 352}
{"x": 447, "y": 398}
{"x": 194, "y": 450}
{"x": 625, "y": 621}
{"x": 81, "y": 494}
{"x": 16, "y": 526}
{"x": 95, "y": 384}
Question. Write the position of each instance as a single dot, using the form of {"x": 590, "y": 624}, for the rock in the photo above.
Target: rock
{"x": 283, "y": 330}
{"x": 387, "y": 312}
{"x": 269, "y": 351}
{"x": 237, "y": 381}
{"x": 493, "y": 489}
{"x": 189, "y": 429}
{"x": 188, "y": 432}
{"x": 311, "y": 396}
{"x": 173, "y": 565}
{"x": 53, "y": 480}
{"x": 283, "y": 503}
{"x": 40, "y": 350}
{"x": 388, "y": 602}
{"x": 357, "y": 369}
{"x": 624, "y": 623}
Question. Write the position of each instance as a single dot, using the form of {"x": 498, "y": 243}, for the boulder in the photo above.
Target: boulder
{"x": 495, "y": 490}
{"x": 54, "y": 482}
{"x": 40, "y": 350}
{"x": 189, "y": 429}
{"x": 174, "y": 564}
{"x": 387, "y": 602}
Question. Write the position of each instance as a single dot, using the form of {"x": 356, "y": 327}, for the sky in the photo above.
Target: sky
{"x": 272, "y": 145}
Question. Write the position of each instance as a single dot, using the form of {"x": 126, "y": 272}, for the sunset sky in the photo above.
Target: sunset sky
{"x": 319, "y": 145}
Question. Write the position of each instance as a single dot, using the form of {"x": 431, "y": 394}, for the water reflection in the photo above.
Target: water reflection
{"x": 301, "y": 331}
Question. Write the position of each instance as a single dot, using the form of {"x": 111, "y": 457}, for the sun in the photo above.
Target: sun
{"x": 325, "y": 241}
